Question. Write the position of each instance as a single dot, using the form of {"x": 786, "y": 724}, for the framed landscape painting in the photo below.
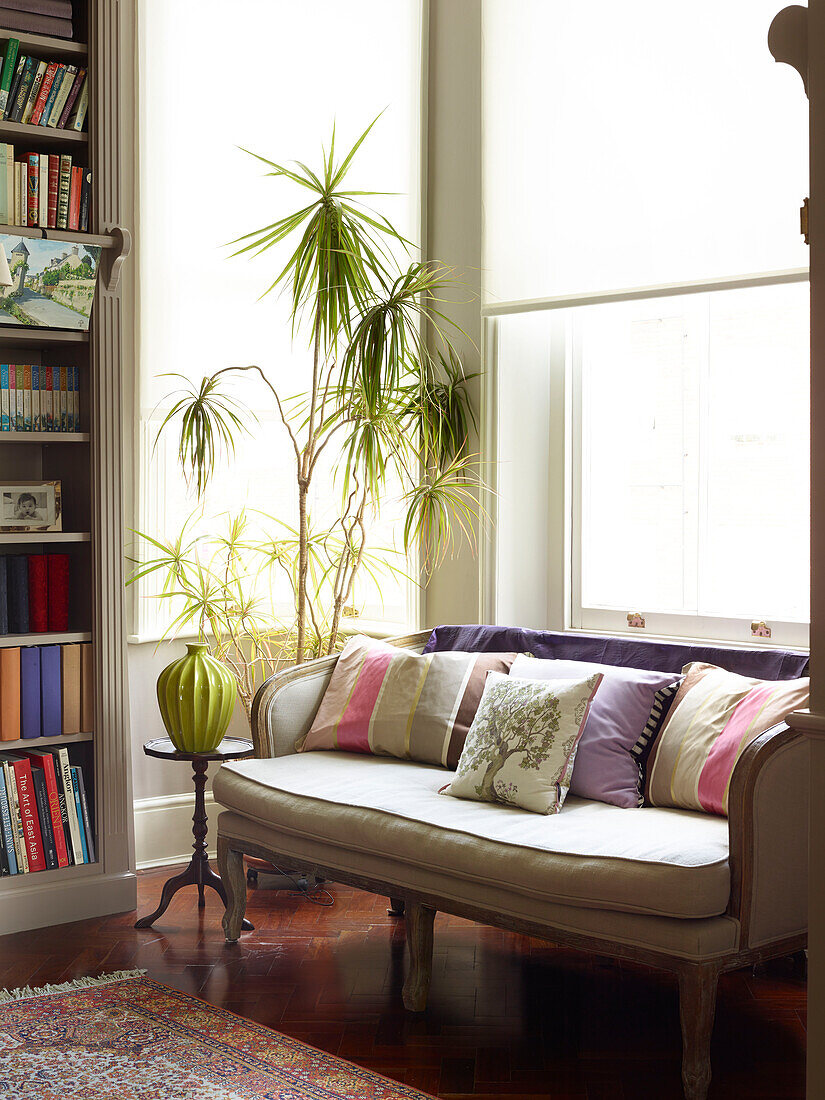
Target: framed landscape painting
{"x": 53, "y": 283}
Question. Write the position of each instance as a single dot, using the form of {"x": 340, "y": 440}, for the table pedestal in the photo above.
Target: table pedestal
{"x": 198, "y": 873}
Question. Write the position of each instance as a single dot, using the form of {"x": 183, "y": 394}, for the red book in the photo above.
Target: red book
{"x": 67, "y": 110}
{"x": 45, "y": 88}
{"x": 38, "y": 594}
{"x": 58, "y": 591}
{"x": 74, "y": 198}
{"x": 28, "y": 812}
{"x": 33, "y": 188}
{"x": 45, "y": 761}
{"x": 54, "y": 188}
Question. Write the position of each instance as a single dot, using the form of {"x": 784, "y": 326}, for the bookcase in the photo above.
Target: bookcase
{"x": 89, "y": 465}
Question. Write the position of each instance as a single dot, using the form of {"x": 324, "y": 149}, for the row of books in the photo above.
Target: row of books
{"x": 42, "y": 93}
{"x": 53, "y": 17}
{"x": 44, "y": 812}
{"x": 46, "y": 190}
{"x": 46, "y": 691}
{"x": 35, "y": 398}
{"x": 34, "y": 593}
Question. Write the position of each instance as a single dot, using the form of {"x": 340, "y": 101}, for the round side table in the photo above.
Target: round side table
{"x": 198, "y": 873}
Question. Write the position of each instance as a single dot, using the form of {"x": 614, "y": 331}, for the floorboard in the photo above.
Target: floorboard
{"x": 509, "y": 1017}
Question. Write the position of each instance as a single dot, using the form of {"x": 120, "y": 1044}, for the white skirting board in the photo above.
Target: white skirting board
{"x": 163, "y": 829}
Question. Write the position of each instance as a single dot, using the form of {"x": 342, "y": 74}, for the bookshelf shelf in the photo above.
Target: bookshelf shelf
{"x": 41, "y": 742}
{"x": 104, "y": 240}
{"x": 36, "y": 537}
{"x": 47, "y": 47}
{"x": 16, "y": 132}
{"x": 44, "y": 437}
{"x": 27, "y": 336}
{"x": 66, "y": 638}
{"x": 45, "y": 879}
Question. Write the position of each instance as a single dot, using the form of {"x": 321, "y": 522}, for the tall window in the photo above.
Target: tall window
{"x": 257, "y": 75}
{"x": 671, "y": 424}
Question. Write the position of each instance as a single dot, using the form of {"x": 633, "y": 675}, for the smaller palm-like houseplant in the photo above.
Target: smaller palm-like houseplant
{"x": 394, "y": 414}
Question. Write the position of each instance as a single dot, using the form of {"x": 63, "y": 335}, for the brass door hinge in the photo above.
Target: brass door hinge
{"x": 803, "y": 220}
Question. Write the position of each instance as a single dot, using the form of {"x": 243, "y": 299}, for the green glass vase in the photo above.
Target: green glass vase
{"x": 196, "y": 695}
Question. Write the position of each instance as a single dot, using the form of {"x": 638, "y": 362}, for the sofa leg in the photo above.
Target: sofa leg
{"x": 420, "y": 940}
{"x": 697, "y": 1007}
{"x": 231, "y": 866}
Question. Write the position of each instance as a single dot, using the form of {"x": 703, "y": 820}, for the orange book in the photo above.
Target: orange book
{"x": 10, "y": 694}
{"x": 70, "y": 686}
{"x": 87, "y": 689}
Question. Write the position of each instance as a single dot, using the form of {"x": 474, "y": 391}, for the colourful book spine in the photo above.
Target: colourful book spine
{"x": 70, "y": 688}
{"x": 53, "y": 92}
{"x": 16, "y": 818}
{"x": 33, "y": 188}
{"x": 71, "y": 807}
{"x": 64, "y": 813}
{"x": 4, "y": 192}
{"x": 87, "y": 823}
{"x": 54, "y": 189}
{"x": 37, "y": 423}
{"x": 44, "y": 762}
{"x": 64, "y": 188}
{"x": 12, "y": 397}
{"x": 10, "y": 693}
{"x": 19, "y": 69}
{"x": 86, "y": 200}
{"x": 28, "y": 812}
{"x": 58, "y": 593}
{"x": 46, "y": 413}
{"x": 34, "y": 92}
{"x": 25, "y": 86}
{"x": 21, "y": 191}
{"x": 9, "y": 65}
{"x": 74, "y": 198}
{"x": 5, "y": 423}
{"x": 43, "y": 94}
{"x": 27, "y": 397}
{"x": 41, "y": 798}
{"x": 19, "y": 399}
{"x": 76, "y": 396}
{"x": 55, "y": 372}
{"x": 43, "y": 192}
{"x": 79, "y": 812}
{"x": 51, "y": 695}
{"x": 72, "y": 99}
{"x": 38, "y": 594}
{"x": 6, "y": 825}
{"x": 64, "y": 399}
{"x": 30, "y": 691}
{"x": 62, "y": 95}
{"x": 77, "y": 118}
{"x": 10, "y": 167}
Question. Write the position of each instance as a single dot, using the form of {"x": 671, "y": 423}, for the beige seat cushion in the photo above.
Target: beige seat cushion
{"x": 661, "y": 862}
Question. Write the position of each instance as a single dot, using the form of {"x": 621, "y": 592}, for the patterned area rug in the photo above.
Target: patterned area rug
{"x": 124, "y": 1036}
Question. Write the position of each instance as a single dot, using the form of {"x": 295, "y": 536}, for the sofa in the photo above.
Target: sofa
{"x": 691, "y": 893}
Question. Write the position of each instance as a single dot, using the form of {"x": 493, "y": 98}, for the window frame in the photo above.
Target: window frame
{"x": 565, "y": 610}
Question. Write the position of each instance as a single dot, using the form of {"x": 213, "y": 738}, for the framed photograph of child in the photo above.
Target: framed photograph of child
{"x": 30, "y": 506}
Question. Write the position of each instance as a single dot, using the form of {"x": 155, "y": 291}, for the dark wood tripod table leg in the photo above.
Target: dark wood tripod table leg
{"x": 198, "y": 873}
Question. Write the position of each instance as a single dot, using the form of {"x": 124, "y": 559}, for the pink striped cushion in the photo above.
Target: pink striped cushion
{"x": 389, "y": 702}
{"x": 714, "y": 716}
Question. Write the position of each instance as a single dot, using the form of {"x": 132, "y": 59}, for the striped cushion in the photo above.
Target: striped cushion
{"x": 389, "y": 702}
{"x": 714, "y": 716}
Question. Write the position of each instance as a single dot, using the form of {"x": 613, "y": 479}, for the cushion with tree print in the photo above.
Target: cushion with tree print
{"x": 522, "y": 743}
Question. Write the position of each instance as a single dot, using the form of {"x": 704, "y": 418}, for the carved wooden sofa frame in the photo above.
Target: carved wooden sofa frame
{"x": 755, "y": 872}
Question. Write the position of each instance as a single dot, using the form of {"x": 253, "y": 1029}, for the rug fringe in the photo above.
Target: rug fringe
{"x": 67, "y": 987}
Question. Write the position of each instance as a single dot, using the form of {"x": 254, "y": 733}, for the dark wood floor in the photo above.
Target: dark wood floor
{"x": 509, "y": 1017}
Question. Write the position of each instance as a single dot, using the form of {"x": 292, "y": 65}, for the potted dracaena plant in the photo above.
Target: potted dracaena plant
{"x": 393, "y": 412}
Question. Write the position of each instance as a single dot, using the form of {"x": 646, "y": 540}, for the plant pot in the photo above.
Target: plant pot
{"x": 196, "y": 695}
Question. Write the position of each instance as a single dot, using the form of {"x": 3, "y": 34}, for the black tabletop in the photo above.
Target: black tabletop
{"x": 231, "y": 748}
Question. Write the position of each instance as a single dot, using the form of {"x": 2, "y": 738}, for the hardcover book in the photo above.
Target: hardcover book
{"x": 4, "y": 601}
{"x": 32, "y": 23}
{"x": 79, "y": 811}
{"x": 16, "y": 816}
{"x": 40, "y": 72}
{"x": 50, "y": 691}
{"x": 43, "y": 94}
{"x": 44, "y": 762}
{"x": 10, "y": 694}
{"x": 26, "y": 798}
{"x": 41, "y": 798}
{"x": 87, "y": 689}
{"x": 7, "y": 826}
{"x": 30, "y": 691}
{"x": 70, "y": 687}
{"x": 18, "y": 588}
{"x": 9, "y": 66}
{"x": 71, "y": 806}
{"x": 38, "y": 594}
{"x": 87, "y": 824}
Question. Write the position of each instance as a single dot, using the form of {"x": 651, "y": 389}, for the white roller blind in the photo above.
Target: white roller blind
{"x": 637, "y": 143}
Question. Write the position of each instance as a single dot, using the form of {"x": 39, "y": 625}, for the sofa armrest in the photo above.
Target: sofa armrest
{"x": 287, "y": 702}
{"x": 768, "y": 822}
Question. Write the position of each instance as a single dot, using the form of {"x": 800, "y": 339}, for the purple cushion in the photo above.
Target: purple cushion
{"x": 605, "y": 768}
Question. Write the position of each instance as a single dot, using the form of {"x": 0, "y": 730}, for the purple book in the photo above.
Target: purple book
{"x": 58, "y": 9}
{"x": 50, "y": 691}
{"x": 35, "y": 24}
{"x": 30, "y": 691}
